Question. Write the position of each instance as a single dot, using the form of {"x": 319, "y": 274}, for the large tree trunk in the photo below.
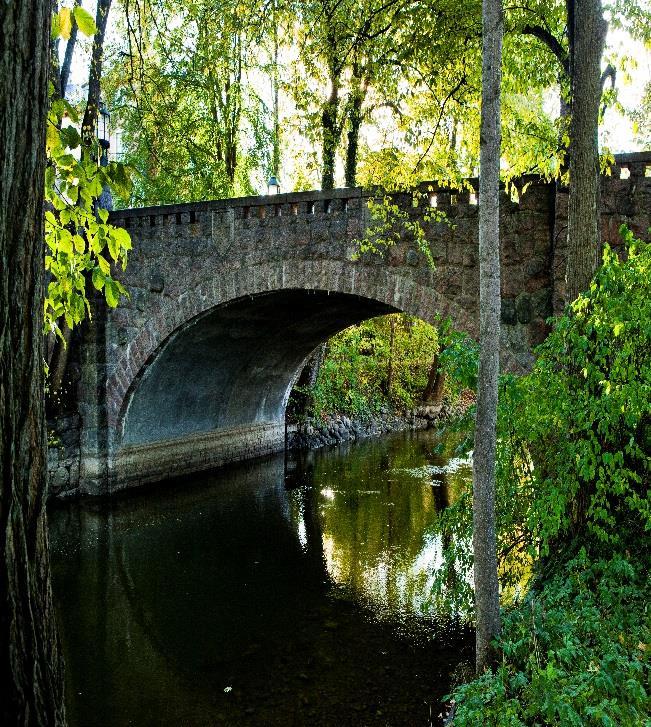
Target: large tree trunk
{"x": 583, "y": 223}
{"x": 31, "y": 669}
{"x": 484, "y": 539}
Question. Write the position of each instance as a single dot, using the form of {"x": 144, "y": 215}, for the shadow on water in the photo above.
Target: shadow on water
{"x": 271, "y": 593}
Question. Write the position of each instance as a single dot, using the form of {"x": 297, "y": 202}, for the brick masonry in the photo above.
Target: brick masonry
{"x": 261, "y": 280}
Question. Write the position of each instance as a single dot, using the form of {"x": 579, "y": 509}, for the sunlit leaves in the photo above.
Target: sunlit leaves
{"x": 65, "y": 23}
{"x": 381, "y": 362}
{"x": 63, "y": 20}
{"x": 77, "y": 233}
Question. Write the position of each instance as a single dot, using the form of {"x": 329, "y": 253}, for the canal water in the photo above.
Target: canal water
{"x": 277, "y": 592}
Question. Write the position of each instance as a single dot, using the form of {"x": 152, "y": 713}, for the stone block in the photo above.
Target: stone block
{"x": 523, "y": 308}
{"x": 541, "y": 303}
{"x": 508, "y": 311}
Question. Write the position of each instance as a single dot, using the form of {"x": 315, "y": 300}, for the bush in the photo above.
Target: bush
{"x": 575, "y": 432}
{"x": 575, "y": 653}
{"x": 573, "y": 461}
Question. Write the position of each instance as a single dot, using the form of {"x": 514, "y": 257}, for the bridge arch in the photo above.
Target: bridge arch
{"x": 376, "y": 288}
{"x": 209, "y": 374}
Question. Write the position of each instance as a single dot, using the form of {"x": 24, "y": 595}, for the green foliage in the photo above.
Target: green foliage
{"x": 574, "y": 653}
{"x": 390, "y": 223}
{"x": 81, "y": 243}
{"x": 584, "y": 412}
{"x": 574, "y": 436}
{"x": 193, "y": 124}
{"x": 383, "y": 362}
{"x": 459, "y": 357}
{"x": 573, "y": 458}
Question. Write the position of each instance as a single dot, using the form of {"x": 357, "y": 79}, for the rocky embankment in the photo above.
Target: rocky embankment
{"x": 335, "y": 429}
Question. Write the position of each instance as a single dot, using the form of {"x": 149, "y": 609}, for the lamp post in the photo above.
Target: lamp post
{"x": 103, "y": 133}
{"x": 273, "y": 185}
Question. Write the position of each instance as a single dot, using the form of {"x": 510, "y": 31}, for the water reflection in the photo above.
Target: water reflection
{"x": 271, "y": 593}
{"x": 375, "y": 518}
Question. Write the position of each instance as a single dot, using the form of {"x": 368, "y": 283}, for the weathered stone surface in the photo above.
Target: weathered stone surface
{"x": 509, "y": 316}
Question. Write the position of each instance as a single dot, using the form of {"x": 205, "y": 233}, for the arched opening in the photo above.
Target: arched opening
{"x": 234, "y": 366}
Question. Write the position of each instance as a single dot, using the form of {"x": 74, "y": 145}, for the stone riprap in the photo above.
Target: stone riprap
{"x": 228, "y": 299}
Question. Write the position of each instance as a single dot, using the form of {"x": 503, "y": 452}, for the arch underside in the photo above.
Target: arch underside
{"x": 234, "y": 366}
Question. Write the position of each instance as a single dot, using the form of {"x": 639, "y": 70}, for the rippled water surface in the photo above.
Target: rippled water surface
{"x": 272, "y": 593}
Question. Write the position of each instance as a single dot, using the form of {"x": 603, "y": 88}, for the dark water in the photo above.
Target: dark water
{"x": 270, "y": 593}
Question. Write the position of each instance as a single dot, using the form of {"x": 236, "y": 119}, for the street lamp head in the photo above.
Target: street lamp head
{"x": 103, "y": 133}
{"x": 273, "y": 185}
{"x": 103, "y": 124}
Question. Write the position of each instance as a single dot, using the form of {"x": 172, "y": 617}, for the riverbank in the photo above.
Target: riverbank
{"x": 337, "y": 428}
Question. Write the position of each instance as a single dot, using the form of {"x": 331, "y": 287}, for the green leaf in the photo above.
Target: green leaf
{"x": 65, "y": 241}
{"x": 104, "y": 265}
{"x": 85, "y": 21}
{"x": 111, "y": 292}
{"x": 122, "y": 238}
{"x": 70, "y": 137}
{"x": 97, "y": 278}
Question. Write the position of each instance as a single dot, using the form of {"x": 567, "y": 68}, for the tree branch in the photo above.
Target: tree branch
{"x": 554, "y": 45}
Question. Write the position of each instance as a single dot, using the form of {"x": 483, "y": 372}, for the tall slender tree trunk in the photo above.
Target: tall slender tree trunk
{"x": 392, "y": 338}
{"x": 583, "y": 223}
{"x": 355, "y": 124}
{"x": 70, "y": 51}
{"x": 31, "y": 669}
{"x": 331, "y": 134}
{"x": 275, "y": 85}
{"x": 89, "y": 122}
{"x": 484, "y": 538}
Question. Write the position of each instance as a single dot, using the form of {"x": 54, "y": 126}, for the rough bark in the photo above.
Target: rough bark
{"x": 354, "y": 125}
{"x": 31, "y": 670}
{"x": 584, "y": 243}
{"x": 433, "y": 393}
{"x": 89, "y": 122}
{"x": 484, "y": 537}
{"x": 355, "y": 121}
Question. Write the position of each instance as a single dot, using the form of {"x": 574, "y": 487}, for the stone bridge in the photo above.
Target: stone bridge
{"x": 229, "y": 298}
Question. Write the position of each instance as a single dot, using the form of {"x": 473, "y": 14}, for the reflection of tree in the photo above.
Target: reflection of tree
{"x": 313, "y": 531}
{"x": 376, "y": 519}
